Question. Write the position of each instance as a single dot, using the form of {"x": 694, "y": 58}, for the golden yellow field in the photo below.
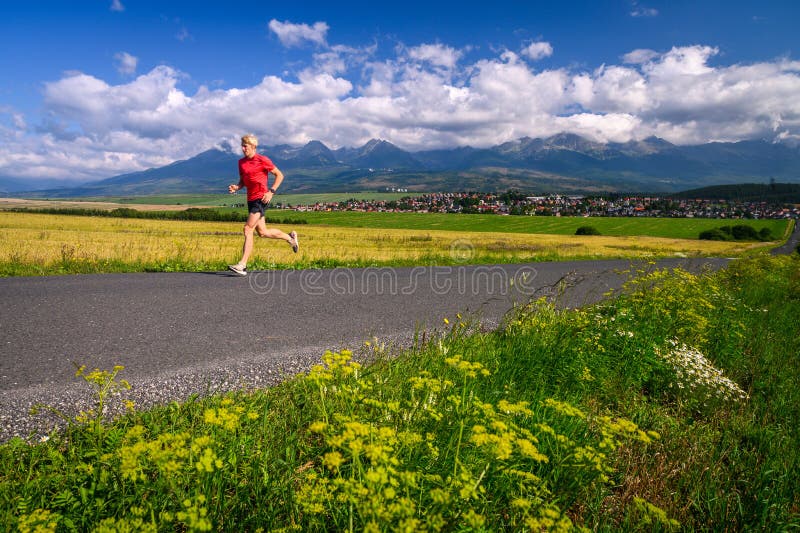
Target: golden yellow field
{"x": 44, "y": 241}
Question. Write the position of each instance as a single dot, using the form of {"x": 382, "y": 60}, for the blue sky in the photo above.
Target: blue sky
{"x": 93, "y": 89}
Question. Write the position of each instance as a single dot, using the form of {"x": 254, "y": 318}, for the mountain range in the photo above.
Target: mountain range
{"x": 561, "y": 163}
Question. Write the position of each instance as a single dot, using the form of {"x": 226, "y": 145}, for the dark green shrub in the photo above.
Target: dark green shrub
{"x": 716, "y": 234}
{"x": 739, "y": 232}
{"x": 125, "y": 212}
{"x": 587, "y": 230}
{"x": 743, "y": 232}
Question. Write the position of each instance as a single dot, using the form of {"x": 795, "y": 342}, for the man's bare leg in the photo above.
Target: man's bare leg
{"x": 275, "y": 233}
{"x": 250, "y": 226}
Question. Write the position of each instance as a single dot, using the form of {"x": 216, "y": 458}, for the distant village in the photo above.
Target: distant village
{"x": 513, "y": 203}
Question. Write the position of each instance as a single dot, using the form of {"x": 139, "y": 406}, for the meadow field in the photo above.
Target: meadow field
{"x": 41, "y": 244}
{"x": 672, "y": 407}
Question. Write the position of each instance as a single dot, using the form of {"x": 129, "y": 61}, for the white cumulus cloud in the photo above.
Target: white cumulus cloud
{"x": 293, "y": 35}
{"x": 639, "y": 56}
{"x": 126, "y": 63}
{"x": 538, "y": 50}
{"x": 435, "y": 54}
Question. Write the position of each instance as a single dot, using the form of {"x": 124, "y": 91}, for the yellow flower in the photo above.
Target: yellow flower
{"x": 196, "y": 515}
{"x": 317, "y": 427}
{"x": 503, "y": 447}
{"x": 527, "y": 449}
{"x": 208, "y": 461}
{"x": 564, "y": 408}
{"x": 440, "y": 497}
{"x": 222, "y": 417}
{"x": 520, "y": 407}
{"x": 333, "y": 460}
{"x": 473, "y": 519}
{"x": 521, "y": 503}
{"x": 40, "y": 520}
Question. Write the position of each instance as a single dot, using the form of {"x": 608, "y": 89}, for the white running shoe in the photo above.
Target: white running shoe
{"x": 238, "y": 270}
{"x": 295, "y": 241}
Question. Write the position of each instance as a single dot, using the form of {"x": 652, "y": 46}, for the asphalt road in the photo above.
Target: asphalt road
{"x": 791, "y": 244}
{"x": 159, "y": 322}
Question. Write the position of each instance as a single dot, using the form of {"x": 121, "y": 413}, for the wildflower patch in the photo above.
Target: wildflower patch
{"x": 431, "y": 443}
{"x": 696, "y": 377}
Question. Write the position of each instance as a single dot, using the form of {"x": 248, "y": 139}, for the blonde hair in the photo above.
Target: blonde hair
{"x": 250, "y": 139}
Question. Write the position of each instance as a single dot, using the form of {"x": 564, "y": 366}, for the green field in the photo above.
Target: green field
{"x": 677, "y": 228}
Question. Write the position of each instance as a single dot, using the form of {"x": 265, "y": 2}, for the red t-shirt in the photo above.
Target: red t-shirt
{"x": 253, "y": 175}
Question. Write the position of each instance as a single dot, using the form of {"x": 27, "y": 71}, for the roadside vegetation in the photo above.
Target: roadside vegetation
{"x": 45, "y": 244}
{"x": 672, "y": 406}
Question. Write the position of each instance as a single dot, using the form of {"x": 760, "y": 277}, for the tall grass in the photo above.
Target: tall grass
{"x": 672, "y": 406}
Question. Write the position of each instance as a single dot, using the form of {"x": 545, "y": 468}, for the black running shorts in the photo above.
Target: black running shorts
{"x": 256, "y": 206}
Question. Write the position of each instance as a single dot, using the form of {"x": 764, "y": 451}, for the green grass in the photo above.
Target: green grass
{"x": 672, "y": 406}
{"x": 678, "y": 228}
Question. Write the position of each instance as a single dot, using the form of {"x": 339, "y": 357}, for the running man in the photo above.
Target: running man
{"x": 254, "y": 170}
